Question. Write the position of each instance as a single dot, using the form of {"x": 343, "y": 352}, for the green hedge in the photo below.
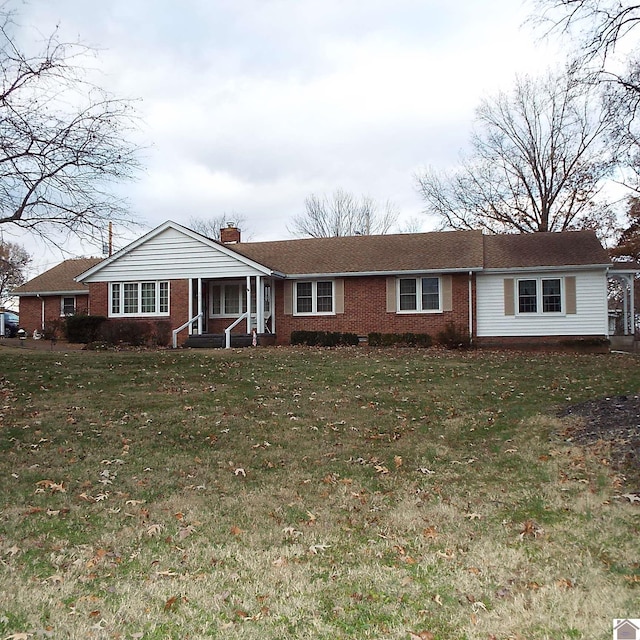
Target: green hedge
{"x": 399, "y": 340}
{"x": 324, "y": 338}
{"x": 82, "y": 328}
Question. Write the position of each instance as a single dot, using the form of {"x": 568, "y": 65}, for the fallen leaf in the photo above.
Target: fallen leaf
{"x": 631, "y": 497}
{"x": 236, "y": 531}
{"x": 154, "y": 530}
{"x": 186, "y": 531}
{"x": 397, "y": 460}
{"x": 240, "y": 472}
{"x": 421, "y": 635}
{"x": 170, "y": 603}
{"x": 437, "y": 599}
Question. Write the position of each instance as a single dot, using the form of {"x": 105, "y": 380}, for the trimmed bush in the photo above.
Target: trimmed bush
{"x": 324, "y": 338}
{"x": 135, "y": 333}
{"x": 82, "y": 328}
{"x": 400, "y": 340}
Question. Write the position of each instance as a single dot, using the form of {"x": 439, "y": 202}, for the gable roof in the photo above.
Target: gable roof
{"x": 551, "y": 249}
{"x": 168, "y": 226}
{"x": 407, "y": 252}
{"x": 59, "y": 279}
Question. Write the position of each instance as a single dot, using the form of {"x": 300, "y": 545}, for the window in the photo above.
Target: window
{"x": 315, "y": 297}
{"x": 551, "y": 298}
{"x": 540, "y": 295}
{"x": 420, "y": 295}
{"x": 230, "y": 299}
{"x": 68, "y": 306}
{"x": 139, "y": 298}
{"x": 527, "y": 296}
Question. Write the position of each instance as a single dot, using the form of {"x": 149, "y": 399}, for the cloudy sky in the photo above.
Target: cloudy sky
{"x": 249, "y": 106}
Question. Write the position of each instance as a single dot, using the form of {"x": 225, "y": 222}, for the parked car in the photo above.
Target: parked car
{"x": 11, "y": 324}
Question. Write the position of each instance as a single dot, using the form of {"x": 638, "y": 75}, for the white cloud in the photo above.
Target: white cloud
{"x": 250, "y": 105}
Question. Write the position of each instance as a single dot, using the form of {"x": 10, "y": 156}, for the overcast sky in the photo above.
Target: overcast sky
{"x": 249, "y": 106}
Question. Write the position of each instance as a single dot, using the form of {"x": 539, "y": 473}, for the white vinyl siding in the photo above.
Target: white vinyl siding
{"x": 588, "y": 317}
{"x": 173, "y": 255}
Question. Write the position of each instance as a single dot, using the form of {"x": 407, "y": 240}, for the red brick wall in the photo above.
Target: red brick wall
{"x": 365, "y": 311}
{"x": 30, "y": 310}
{"x": 178, "y": 304}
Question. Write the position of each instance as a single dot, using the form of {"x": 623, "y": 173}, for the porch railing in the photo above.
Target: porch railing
{"x": 184, "y": 326}
{"x": 227, "y": 331}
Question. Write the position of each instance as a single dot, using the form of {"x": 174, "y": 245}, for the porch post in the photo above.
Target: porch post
{"x": 259, "y": 305}
{"x": 200, "y": 306}
{"x": 272, "y": 307}
{"x": 625, "y": 305}
{"x": 248, "y": 304}
{"x": 189, "y": 314}
{"x": 632, "y": 304}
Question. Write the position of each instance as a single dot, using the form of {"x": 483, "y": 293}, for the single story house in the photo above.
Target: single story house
{"x": 54, "y": 294}
{"x": 528, "y": 289}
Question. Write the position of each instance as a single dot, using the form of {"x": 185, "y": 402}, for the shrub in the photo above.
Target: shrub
{"x": 161, "y": 336}
{"x": 130, "y": 332}
{"x": 54, "y": 330}
{"x": 323, "y": 338}
{"x": 399, "y": 339}
{"x": 454, "y": 336}
{"x": 83, "y": 328}
{"x": 374, "y": 339}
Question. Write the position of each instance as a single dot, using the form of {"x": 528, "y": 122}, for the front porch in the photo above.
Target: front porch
{"x": 229, "y": 312}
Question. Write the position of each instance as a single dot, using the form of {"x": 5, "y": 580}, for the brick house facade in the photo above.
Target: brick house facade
{"x": 499, "y": 289}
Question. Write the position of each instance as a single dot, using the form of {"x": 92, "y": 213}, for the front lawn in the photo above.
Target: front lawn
{"x": 298, "y": 493}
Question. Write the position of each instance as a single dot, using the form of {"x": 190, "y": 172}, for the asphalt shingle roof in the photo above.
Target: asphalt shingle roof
{"x": 59, "y": 278}
{"x": 551, "y": 249}
{"x": 369, "y": 254}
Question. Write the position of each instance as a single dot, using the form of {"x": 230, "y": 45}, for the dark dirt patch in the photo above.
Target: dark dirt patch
{"x": 614, "y": 421}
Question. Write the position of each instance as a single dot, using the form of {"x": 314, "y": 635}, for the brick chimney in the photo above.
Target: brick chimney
{"x": 230, "y": 234}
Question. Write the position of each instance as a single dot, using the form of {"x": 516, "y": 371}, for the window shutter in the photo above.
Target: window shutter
{"x": 447, "y": 293}
{"x": 570, "y": 294}
{"x": 391, "y": 295}
{"x": 288, "y": 298}
{"x": 509, "y": 303}
{"x": 339, "y": 294}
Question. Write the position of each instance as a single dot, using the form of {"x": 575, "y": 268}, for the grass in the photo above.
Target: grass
{"x": 300, "y": 493}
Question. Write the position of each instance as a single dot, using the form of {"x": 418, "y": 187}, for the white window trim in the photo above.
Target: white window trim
{"x": 62, "y": 313}
{"x": 314, "y": 299}
{"x": 242, "y": 285}
{"x": 419, "y": 308}
{"x": 139, "y": 313}
{"x": 539, "y": 302}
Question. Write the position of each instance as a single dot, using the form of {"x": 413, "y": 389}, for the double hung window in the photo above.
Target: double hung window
{"x": 421, "y": 295}
{"x": 315, "y": 297}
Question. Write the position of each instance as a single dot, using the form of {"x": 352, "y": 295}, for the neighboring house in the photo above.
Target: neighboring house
{"x": 504, "y": 289}
{"x": 54, "y": 294}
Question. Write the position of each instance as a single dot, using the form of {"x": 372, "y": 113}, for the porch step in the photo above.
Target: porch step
{"x": 217, "y": 341}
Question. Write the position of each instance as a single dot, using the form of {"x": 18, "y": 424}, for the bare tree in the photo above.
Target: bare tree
{"x": 63, "y": 141}
{"x": 343, "y": 214}
{"x": 210, "y": 227}
{"x": 538, "y": 160}
{"x": 598, "y": 26}
{"x": 604, "y": 37}
{"x": 14, "y": 261}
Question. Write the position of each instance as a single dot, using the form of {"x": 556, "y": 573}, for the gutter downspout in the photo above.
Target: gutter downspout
{"x": 42, "y": 310}
{"x": 470, "y": 307}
